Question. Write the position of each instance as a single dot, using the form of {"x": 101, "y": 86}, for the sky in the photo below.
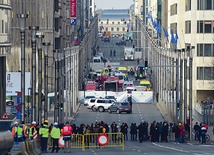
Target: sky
{"x": 116, "y": 4}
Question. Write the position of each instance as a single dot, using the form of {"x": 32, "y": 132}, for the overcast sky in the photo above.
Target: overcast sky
{"x": 116, "y": 4}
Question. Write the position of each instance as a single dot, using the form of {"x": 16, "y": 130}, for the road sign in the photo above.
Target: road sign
{"x": 19, "y": 108}
{"x": 73, "y": 21}
{"x": 18, "y": 115}
{"x": 18, "y": 99}
{"x": 61, "y": 141}
{"x": 4, "y": 116}
{"x": 103, "y": 139}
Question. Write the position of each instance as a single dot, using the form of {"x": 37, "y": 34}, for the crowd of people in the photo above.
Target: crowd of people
{"x": 155, "y": 132}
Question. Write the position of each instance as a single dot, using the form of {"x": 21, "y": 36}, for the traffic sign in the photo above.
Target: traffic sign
{"x": 73, "y": 21}
{"x": 103, "y": 139}
{"x": 19, "y": 108}
{"x": 61, "y": 141}
{"x": 4, "y": 116}
{"x": 18, "y": 115}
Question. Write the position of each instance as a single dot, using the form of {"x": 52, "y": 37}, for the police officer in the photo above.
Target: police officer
{"x": 55, "y": 135}
{"x": 32, "y": 130}
{"x": 43, "y": 132}
{"x": 20, "y": 133}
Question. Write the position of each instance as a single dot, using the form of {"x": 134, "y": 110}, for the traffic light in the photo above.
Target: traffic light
{"x": 146, "y": 63}
{"x": 178, "y": 106}
{"x": 61, "y": 106}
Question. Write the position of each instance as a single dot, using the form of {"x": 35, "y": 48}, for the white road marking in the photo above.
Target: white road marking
{"x": 138, "y": 150}
{"x": 170, "y": 148}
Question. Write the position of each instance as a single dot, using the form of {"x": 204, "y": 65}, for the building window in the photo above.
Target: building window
{"x": 200, "y": 73}
{"x": 205, "y": 73}
{"x": 173, "y": 27}
{"x": 118, "y": 29}
{"x": 118, "y": 23}
{"x": 188, "y": 5}
{"x": 113, "y": 23}
{"x": 205, "y": 50}
{"x": 106, "y": 29}
{"x": 101, "y": 22}
{"x": 205, "y": 26}
{"x": 124, "y": 29}
{"x": 106, "y": 22}
{"x": 2, "y": 26}
{"x": 205, "y": 4}
{"x": 112, "y": 29}
{"x": 188, "y": 27}
{"x": 173, "y": 10}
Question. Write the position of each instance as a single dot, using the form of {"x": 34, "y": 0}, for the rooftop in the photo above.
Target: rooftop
{"x": 114, "y": 17}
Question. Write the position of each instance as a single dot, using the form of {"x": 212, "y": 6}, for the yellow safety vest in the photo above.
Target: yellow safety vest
{"x": 19, "y": 132}
{"x": 55, "y": 133}
{"x": 44, "y": 131}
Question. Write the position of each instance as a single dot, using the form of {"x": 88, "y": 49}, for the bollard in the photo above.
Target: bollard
{"x": 32, "y": 149}
{"x": 22, "y": 147}
{"x": 36, "y": 148}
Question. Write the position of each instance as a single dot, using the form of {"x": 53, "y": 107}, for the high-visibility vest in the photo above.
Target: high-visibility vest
{"x": 13, "y": 131}
{"x": 19, "y": 132}
{"x": 44, "y": 131}
{"x": 25, "y": 130}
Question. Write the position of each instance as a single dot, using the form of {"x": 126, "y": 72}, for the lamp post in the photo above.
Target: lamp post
{"x": 190, "y": 88}
{"x": 177, "y": 86}
{"x": 56, "y": 96}
{"x": 22, "y": 17}
{"x": 185, "y": 89}
{"x": 46, "y": 44}
{"x": 33, "y": 74}
{"x": 40, "y": 36}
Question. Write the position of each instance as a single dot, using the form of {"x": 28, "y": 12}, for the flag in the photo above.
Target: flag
{"x": 158, "y": 28}
{"x": 176, "y": 38}
{"x": 166, "y": 34}
{"x": 149, "y": 15}
{"x": 172, "y": 38}
{"x": 154, "y": 23}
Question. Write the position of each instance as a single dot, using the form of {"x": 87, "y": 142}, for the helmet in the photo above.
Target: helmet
{"x": 55, "y": 123}
{"x": 46, "y": 121}
{"x": 33, "y": 122}
{"x": 16, "y": 123}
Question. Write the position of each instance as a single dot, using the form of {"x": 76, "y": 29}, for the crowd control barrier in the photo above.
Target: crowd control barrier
{"x": 29, "y": 148}
{"x": 95, "y": 140}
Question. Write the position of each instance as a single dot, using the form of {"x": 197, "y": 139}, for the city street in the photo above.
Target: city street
{"x": 146, "y": 112}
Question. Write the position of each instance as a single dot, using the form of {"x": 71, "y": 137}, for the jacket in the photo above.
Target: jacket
{"x": 55, "y": 132}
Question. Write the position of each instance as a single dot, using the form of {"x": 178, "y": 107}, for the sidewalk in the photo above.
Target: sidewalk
{"x": 196, "y": 119}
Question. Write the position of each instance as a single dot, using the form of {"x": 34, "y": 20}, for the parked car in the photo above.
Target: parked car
{"x": 90, "y": 103}
{"x": 87, "y": 99}
{"x": 106, "y": 39}
{"x": 122, "y": 42}
{"x": 120, "y": 107}
{"x": 111, "y": 97}
{"x": 102, "y": 104}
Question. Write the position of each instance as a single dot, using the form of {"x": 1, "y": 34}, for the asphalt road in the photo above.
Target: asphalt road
{"x": 146, "y": 112}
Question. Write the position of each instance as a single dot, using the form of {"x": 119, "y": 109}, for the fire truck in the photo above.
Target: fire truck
{"x": 111, "y": 84}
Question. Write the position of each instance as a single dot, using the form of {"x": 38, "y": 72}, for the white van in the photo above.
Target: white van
{"x": 97, "y": 59}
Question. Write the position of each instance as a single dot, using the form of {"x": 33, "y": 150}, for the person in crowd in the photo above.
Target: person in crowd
{"x": 66, "y": 132}
{"x": 197, "y": 129}
{"x": 25, "y": 130}
{"x": 164, "y": 132}
{"x": 153, "y": 131}
{"x": 203, "y": 134}
{"x": 44, "y": 134}
{"x": 181, "y": 132}
{"x": 32, "y": 131}
{"x": 114, "y": 53}
{"x": 20, "y": 133}
{"x": 174, "y": 127}
{"x": 55, "y": 135}
{"x": 140, "y": 132}
{"x": 14, "y": 131}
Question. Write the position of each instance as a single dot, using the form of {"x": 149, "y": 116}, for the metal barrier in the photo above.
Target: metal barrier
{"x": 94, "y": 140}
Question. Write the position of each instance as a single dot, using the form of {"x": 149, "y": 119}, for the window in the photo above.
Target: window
{"x": 173, "y": 27}
{"x": 123, "y": 28}
{"x": 205, "y": 73}
{"x": 112, "y": 29}
{"x": 118, "y": 29}
{"x": 188, "y": 5}
{"x": 205, "y": 50}
{"x": 113, "y": 23}
{"x": 205, "y": 26}
{"x": 205, "y": 4}
{"x": 106, "y": 29}
{"x": 118, "y": 23}
{"x": 173, "y": 9}
{"x": 188, "y": 27}
{"x": 2, "y": 26}
{"x": 106, "y": 22}
{"x": 200, "y": 73}
{"x": 101, "y": 22}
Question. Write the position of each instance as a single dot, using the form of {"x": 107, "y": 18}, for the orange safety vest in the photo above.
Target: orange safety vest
{"x": 13, "y": 131}
{"x": 25, "y": 130}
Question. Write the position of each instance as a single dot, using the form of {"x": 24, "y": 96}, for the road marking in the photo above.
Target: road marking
{"x": 170, "y": 148}
{"x": 138, "y": 150}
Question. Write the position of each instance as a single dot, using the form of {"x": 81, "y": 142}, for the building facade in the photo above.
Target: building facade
{"x": 5, "y": 26}
{"x": 114, "y": 20}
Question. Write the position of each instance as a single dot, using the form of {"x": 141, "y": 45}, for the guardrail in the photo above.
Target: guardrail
{"x": 95, "y": 140}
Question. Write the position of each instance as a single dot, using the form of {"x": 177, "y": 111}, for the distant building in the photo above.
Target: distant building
{"x": 114, "y": 20}
{"x": 5, "y": 27}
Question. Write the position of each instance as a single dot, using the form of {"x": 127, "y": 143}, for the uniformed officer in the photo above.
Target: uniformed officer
{"x": 20, "y": 133}
{"x": 32, "y": 130}
{"x": 55, "y": 135}
{"x": 44, "y": 132}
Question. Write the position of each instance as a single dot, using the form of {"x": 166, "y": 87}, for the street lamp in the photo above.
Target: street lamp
{"x": 191, "y": 53}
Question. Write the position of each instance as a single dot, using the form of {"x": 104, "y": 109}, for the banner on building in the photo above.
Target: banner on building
{"x": 13, "y": 83}
{"x": 73, "y": 9}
